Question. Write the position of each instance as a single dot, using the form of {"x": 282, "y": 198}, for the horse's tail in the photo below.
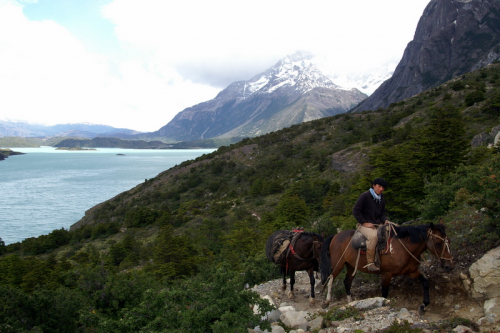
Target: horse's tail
{"x": 274, "y": 242}
{"x": 317, "y": 245}
{"x": 269, "y": 246}
{"x": 325, "y": 264}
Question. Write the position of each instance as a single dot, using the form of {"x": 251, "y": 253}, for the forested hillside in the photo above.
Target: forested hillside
{"x": 175, "y": 251}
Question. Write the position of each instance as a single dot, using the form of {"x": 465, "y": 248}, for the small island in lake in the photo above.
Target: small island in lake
{"x": 74, "y": 148}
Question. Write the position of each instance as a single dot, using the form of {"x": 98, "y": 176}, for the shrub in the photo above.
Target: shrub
{"x": 473, "y": 97}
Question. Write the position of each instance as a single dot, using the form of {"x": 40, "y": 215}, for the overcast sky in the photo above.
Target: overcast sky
{"x": 137, "y": 63}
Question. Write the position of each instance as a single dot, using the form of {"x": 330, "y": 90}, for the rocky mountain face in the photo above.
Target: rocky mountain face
{"x": 290, "y": 92}
{"x": 453, "y": 37}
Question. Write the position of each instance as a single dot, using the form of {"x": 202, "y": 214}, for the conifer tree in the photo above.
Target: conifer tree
{"x": 441, "y": 146}
{"x": 173, "y": 256}
{"x": 438, "y": 148}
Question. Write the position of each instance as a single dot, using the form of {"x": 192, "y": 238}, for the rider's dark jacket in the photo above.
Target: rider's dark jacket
{"x": 369, "y": 210}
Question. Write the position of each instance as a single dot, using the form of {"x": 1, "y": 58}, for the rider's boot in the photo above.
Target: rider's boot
{"x": 370, "y": 258}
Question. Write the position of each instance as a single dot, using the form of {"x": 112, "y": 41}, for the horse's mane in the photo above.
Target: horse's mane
{"x": 417, "y": 233}
{"x": 314, "y": 235}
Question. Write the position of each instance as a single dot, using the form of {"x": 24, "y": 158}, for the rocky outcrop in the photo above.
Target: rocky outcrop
{"x": 485, "y": 276}
{"x": 489, "y": 139}
{"x": 453, "y": 37}
{"x": 483, "y": 284}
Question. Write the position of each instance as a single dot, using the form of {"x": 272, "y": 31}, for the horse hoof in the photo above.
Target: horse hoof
{"x": 349, "y": 299}
{"x": 291, "y": 295}
{"x": 325, "y": 305}
{"x": 283, "y": 286}
{"x": 421, "y": 310}
{"x": 311, "y": 301}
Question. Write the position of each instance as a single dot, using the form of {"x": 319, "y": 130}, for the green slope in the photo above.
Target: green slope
{"x": 214, "y": 214}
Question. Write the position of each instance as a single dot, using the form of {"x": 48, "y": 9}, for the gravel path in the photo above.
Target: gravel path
{"x": 404, "y": 297}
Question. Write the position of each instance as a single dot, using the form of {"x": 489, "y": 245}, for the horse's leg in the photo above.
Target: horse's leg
{"x": 386, "y": 282}
{"x": 312, "y": 281}
{"x": 328, "y": 293}
{"x": 332, "y": 277}
{"x": 425, "y": 284}
{"x": 291, "y": 295}
{"x": 283, "y": 285}
{"x": 348, "y": 282}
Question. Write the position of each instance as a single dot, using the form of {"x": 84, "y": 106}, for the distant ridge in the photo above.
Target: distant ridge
{"x": 27, "y": 130}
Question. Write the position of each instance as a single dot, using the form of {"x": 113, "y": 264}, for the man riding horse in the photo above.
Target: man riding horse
{"x": 369, "y": 211}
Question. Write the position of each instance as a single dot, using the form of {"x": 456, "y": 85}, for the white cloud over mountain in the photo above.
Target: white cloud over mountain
{"x": 169, "y": 55}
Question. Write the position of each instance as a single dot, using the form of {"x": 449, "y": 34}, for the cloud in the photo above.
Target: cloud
{"x": 169, "y": 55}
{"x": 221, "y": 41}
{"x": 48, "y": 76}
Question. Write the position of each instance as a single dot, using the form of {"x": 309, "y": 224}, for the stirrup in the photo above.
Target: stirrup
{"x": 372, "y": 267}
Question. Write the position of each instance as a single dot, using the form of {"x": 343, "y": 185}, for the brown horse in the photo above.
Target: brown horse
{"x": 302, "y": 253}
{"x": 407, "y": 243}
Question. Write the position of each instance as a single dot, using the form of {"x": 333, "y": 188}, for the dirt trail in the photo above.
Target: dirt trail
{"x": 447, "y": 295}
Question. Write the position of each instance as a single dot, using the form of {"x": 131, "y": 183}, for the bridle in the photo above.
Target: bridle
{"x": 446, "y": 245}
{"x": 432, "y": 236}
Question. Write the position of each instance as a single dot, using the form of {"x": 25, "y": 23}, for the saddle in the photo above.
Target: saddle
{"x": 283, "y": 243}
{"x": 358, "y": 241}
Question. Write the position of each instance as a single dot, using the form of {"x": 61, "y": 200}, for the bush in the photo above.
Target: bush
{"x": 476, "y": 187}
{"x": 215, "y": 301}
{"x": 458, "y": 85}
{"x": 474, "y": 97}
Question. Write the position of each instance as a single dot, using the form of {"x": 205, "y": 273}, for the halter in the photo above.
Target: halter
{"x": 446, "y": 243}
{"x": 432, "y": 236}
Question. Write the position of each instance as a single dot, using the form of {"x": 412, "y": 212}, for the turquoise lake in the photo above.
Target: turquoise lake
{"x": 47, "y": 189}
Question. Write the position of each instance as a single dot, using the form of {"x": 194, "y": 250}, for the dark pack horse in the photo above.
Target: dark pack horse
{"x": 401, "y": 257}
{"x": 295, "y": 251}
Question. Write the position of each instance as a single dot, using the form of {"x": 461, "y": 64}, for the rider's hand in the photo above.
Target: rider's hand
{"x": 387, "y": 222}
{"x": 369, "y": 225}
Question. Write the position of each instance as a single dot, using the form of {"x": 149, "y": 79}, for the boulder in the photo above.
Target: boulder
{"x": 295, "y": 319}
{"x": 273, "y": 315}
{"x": 462, "y": 329}
{"x": 368, "y": 303}
{"x": 277, "y": 329}
{"x": 492, "y": 310}
{"x": 485, "y": 276}
{"x": 317, "y": 323}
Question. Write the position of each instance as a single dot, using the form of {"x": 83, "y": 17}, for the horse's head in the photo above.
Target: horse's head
{"x": 439, "y": 245}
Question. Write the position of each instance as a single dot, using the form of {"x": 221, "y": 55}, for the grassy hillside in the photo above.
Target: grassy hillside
{"x": 158, "y": 241}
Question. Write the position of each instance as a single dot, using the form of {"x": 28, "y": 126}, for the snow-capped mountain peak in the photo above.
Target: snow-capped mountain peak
{"x": 295, "y": 73}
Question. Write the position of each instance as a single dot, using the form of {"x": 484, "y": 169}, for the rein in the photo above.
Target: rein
{"x": 394, "y": 229}
{"x": 333, "y": 270}
{"x": 432, "y": 236}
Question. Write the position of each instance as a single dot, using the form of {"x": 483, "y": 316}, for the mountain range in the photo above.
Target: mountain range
{"x": 453, "y": 37}
{"x": 23, "y": 129}
{"x": 290, "y": 92}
